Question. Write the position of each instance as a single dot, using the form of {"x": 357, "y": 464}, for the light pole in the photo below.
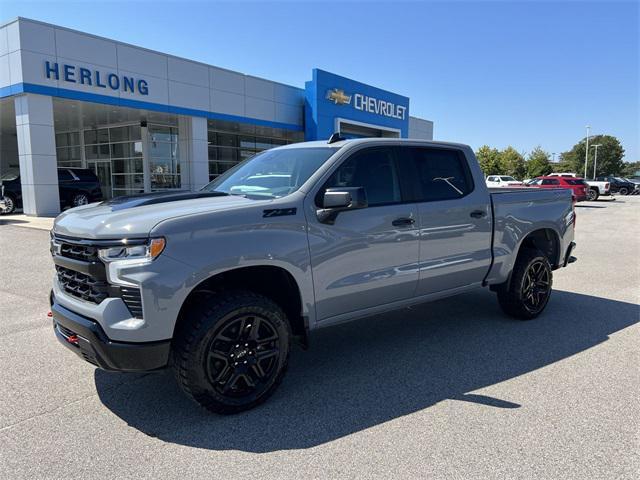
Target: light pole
{"x": 586, "y": 153}
{"x": 595, "y": 161}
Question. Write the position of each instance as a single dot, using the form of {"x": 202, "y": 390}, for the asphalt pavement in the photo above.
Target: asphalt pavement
{"x": 452, "y": 389}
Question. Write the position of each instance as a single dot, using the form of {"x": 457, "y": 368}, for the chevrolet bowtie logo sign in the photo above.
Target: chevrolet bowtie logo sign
{"x": 338, "y": 97}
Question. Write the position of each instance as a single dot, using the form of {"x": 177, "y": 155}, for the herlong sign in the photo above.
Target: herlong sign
{"x": 95, "y": 78}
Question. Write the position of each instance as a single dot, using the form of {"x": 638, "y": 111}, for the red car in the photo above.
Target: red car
{"x": 577, "y": 185}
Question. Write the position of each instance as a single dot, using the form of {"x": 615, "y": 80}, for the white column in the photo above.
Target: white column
{"x": 194, "y": 160}
{"x": 37, "y": 154}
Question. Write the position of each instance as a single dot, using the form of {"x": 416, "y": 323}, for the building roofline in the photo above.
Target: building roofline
{"x": 157, "y": 52}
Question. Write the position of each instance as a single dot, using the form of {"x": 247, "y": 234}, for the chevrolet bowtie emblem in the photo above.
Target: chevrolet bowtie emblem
{"x": 338, "y": 97}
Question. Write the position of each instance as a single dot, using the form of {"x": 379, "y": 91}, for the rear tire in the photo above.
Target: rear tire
{"x": 80, "y": 199}
{"x": 529, "y": 291}
{"x": 623, "y": 191}
{"x": 232, "y": 352}
{"x": 593, "y": 194}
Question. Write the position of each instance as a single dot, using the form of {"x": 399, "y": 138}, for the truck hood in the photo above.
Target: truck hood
{"x": 136, "y": 215}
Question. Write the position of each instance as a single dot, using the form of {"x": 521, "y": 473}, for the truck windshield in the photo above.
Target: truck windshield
{"x": 272, "y": 173}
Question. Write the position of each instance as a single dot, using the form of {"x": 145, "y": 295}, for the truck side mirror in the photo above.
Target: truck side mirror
{"x": 336, "y": 200}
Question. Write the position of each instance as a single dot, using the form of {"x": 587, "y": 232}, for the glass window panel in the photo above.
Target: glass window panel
{"x": 247, "y": 142}
{"x": 227, "y": 140}
{"x": 121, "y": 192}
{"x": 128, "y": 165}
{"x": 228, "y": 154}
{"x": 244, "y": 154}
{"x": 137, "y": 149}
{"x": 97, "y": 152}
{"x": 103, "y": 135}
{"x": 135, "y": 133}
{"x": 164, "y": 181}
{"x": 211, "y": 137}
{"x": 213, "y": 153}
{"x": 278, "y": 141}
{"x": 128, "y": 181}
{"x": 119, "y": 134}
{"x": 122, "y": 150}
{"x": 160, "y": 150}
{"x": 61, "y": 140}
{"x": 90, "y": 137}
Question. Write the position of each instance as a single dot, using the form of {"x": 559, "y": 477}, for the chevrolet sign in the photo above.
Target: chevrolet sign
{"x": 368, "y": 104}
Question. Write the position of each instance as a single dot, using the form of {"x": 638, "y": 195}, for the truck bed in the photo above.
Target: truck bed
{"x": 519, "y": 211}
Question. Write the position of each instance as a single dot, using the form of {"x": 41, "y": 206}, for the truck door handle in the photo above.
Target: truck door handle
{"x": 478, "y": 214}
{"x": 402, "y": 222}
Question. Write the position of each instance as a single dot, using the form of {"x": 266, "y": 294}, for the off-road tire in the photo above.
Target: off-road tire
{"x": 593, "y": 194}
{"x": 197, "y": 347}
{"x": 515, "y": 299}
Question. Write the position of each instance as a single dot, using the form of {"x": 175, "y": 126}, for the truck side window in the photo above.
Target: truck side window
{"x": 375, "y": 170}
{"x": 442, "y": 174}
{"x": 550, "y": 181}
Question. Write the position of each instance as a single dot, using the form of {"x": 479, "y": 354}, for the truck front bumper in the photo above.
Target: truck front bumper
{"x": 87, "y": 339}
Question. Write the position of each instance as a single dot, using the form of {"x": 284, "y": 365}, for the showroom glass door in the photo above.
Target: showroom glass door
{"x": 103, "y": 172}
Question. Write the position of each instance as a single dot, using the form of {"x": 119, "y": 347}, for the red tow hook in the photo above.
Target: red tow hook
{"x": 73, "y": 339}
{"x": 50, "y": 314}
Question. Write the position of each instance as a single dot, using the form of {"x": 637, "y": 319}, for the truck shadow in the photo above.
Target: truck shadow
{"x": 368, "y": 372}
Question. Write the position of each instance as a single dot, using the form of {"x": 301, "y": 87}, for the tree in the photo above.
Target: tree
{"x": 538, "y": 163}
{"x": 489, "y": 159}
{"x": 630, "y": 169}
{"x": 610, "y": 154}
{"x": 512, "y": 163}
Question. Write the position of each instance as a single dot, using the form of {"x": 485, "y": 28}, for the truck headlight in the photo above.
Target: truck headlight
{"x": 118, "y": 259}
{"x": 134, "y": 253}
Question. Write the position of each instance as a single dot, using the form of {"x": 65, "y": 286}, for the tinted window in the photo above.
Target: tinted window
{"x": 375, "y": 170}
{"x": 550, "y": 181}
{"x": 573, "y": 181}
{"x": 65, "y": 176}
{"x": 442, "y": 174}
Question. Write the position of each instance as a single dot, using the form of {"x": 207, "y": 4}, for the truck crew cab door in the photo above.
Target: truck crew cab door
{"x": 454, "y": 215}
{"x": 369, "y": 256}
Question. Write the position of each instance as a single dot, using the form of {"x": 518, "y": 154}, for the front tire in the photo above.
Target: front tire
{"x": 10, "y": 204}
{"x": 593, "y": 194}
{"x": 232, "y": 352}
{"x": 530, "y": 288}
{"x": 623, "y": 191}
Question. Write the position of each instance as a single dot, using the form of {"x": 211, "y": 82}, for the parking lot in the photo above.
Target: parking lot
{"x": 452, "y": 389}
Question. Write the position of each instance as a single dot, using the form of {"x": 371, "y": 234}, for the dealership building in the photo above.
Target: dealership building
{"x": 146, "y": 121}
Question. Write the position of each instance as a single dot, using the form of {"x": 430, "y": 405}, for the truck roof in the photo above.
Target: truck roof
{"x": 372, "y": 141}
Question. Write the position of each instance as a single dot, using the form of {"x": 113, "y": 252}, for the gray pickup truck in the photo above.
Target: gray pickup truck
{"x": 216, "y": 284}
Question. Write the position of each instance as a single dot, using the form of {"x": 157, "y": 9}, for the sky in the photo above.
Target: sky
{"x": 497, "y": 73}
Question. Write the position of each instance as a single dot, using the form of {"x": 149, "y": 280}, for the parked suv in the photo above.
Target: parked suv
{"x": 577, "y": 185}
{"x": 216, "y": 284}
{"x": 77, "y": 186}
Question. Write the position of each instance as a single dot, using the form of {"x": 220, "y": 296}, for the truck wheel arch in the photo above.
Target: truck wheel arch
{"x": 272, "y": 281}
{"x": 546, "y": 240}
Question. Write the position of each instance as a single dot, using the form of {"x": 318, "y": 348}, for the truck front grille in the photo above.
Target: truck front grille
{"x": 81, "y": 285}
{"x": 91, "y": 287}
{"x": 85, "y": 253}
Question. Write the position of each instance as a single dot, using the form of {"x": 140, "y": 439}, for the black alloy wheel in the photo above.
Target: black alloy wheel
{"x": 231, "y": 350}
{"x": 536, "y": 287}
{"x": 243, "y": 356}
{"x": 526, "y": 295}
